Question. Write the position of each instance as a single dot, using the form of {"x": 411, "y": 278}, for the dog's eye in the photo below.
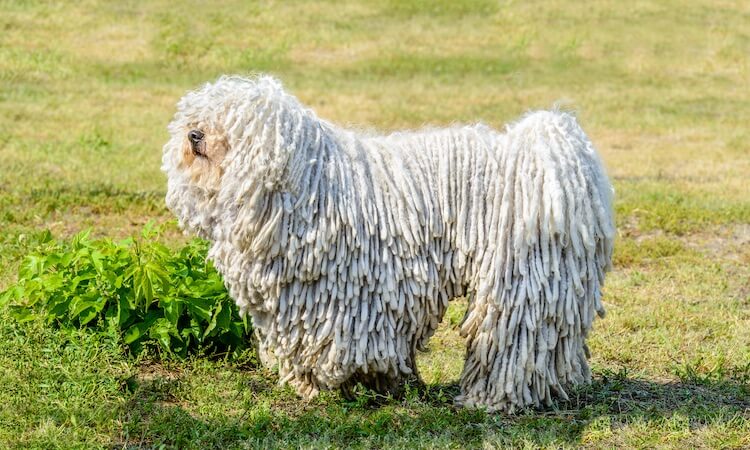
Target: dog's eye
{"x": 195, "y": 137}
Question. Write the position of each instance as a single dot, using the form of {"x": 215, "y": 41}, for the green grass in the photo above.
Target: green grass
{"x": 87, "y": 88}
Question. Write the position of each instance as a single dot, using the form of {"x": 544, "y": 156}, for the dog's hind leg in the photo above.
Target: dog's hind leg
{"x": 526, "y": 329}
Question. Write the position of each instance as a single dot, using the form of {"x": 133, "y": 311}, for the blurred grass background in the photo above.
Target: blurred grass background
{"x": 662, "y": 88}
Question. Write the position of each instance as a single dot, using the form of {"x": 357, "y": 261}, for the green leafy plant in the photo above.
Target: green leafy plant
{"x": 137, "y": 289}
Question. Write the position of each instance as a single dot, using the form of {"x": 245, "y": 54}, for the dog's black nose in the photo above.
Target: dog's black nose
{"x": 195, "y": 136}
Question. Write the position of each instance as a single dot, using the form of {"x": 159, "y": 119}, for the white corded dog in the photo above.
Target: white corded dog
{"x": 345, "y": 248}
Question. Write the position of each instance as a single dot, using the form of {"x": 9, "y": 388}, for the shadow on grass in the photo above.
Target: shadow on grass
{"x": 270, "y": 416}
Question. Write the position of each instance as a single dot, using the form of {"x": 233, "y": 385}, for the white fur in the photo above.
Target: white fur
{"x": 346, "y": 248}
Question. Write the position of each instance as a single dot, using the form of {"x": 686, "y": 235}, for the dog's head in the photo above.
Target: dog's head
{"x": 226, "y": 143}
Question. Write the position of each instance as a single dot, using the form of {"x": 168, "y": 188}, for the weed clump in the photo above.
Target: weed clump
{"x": 137, "y": 290}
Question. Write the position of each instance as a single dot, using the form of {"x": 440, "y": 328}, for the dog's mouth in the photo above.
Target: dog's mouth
{"x": 199, "y": 151}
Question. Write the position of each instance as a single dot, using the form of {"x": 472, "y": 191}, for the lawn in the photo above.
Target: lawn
{"x": 661, "y": 87}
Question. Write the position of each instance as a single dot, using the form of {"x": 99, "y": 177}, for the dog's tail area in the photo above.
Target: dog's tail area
{"x": 553, "y": 231}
